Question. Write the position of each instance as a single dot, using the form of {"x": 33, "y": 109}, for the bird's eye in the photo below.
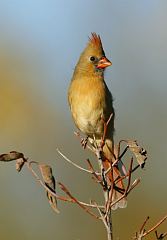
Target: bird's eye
{"x": 92, "y": 58}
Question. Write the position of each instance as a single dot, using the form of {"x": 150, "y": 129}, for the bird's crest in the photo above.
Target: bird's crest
{"x": 95, "y": 40}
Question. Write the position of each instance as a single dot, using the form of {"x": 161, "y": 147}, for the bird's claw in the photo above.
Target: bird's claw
{"x": 84, "y": 142}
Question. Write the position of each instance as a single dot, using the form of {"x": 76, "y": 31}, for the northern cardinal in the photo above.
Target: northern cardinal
{"x": 91, "y": 104}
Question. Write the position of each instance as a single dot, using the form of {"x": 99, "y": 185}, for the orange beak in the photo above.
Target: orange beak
{"x": 103, "y": 63}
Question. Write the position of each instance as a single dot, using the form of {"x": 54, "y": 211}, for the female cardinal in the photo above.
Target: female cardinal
{"x": 91, "y": 105}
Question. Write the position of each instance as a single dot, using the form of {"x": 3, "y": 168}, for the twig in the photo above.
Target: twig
{"x": 74, "y": 164}
{"x": 155, "y": 226}
{"x": 76, "y": 201}
{"x": 105, "y": 129}
{"x": 128, "y": 185}
{"x": 161, "y": 236}
{"x": 119, "y": 148}
{"x": 109, "y": 200}
{"x": 123, "y": 153}
{"x": 97, "y": 177}
{"x": 143, "y": 225}
{"x": 142, "y": 232}
{"x": 52, "y": 192}
{"x": 130, "y": 174}
{"x": 134, "y": 184}
{"x": 108, "y": 184}
{"x": 102, "y": 216}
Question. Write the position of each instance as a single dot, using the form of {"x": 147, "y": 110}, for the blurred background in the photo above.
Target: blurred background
{"x": 39, "y": 46}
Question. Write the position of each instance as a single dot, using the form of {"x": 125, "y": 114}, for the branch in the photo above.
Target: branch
{"x": 142, "y": 232}
{"x": 55, "y": 194}
{"x": 161, "y": 236}
{"x": 102, "y": 216}
{"x": 74, "y": 164}
{"x": 96, "y": 177}
{"x": 76, "y": 201}
{"x": 155, "y": 226}
{"x": 105, "y": 128}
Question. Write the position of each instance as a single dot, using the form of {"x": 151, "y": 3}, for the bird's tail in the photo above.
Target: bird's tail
{"x": 113, "y": 177}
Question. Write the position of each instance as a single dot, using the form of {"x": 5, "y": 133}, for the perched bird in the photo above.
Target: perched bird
{"x": 91, "y": 105}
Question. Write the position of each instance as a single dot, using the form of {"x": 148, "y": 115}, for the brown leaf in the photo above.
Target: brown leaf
{"x": 49, "y": 180}
{"x": 19, "y": 164}
{"x": 139, "y": 152}
{"x": 11, "y": 156}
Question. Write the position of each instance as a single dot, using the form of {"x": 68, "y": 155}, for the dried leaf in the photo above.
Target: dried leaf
{"x": 11, "y": 156}
{"x": 139, "y": 152}
{"x": 49, "y": 180}
{"x": 19, "y": 164}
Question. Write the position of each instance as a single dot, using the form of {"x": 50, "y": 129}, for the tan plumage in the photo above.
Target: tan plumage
{"x": 90, "y": 100}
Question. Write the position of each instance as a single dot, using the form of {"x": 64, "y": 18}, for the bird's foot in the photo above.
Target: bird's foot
{"x": 84, "y": 142}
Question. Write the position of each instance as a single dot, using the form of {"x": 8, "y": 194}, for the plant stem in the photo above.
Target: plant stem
{"x": 109, "y": 226}
{"x": 108, "y": 218}
{"x": 109, "y": 230}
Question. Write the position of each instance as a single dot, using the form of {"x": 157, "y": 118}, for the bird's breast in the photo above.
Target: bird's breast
{"x": 87, "y": 102}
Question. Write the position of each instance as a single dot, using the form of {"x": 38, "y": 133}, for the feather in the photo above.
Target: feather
{"x": 95, "y": 40}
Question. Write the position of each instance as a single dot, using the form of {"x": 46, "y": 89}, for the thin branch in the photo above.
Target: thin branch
{"x": 102, "y": 216}
{"x": 127, "y": 188}
{"x": 143, "y": 225}
{"x": 119, "y": 147}
{"x": 130, "y": 174}
{"x": 74, "y": 164}
{"x": 96, "y": 177}
{"x": 123, "y": 153}
{"x": 108, "y": 204}
{"x": 134, "y": 184}
{"x": 155, "y": 226}
{"x": 161, "y": 236}
{"x": 76, "y": 201}
{"x": 105, "y": 129}
{"x": 52, "y": 192}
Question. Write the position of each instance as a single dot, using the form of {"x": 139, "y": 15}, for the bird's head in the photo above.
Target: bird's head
{"x": 93, "y": 59}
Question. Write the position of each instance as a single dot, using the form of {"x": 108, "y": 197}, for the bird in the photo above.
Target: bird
{"x": 91, "y": 104}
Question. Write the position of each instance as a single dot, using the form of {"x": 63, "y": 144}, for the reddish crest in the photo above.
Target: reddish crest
{"x": 95, "y": 40}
